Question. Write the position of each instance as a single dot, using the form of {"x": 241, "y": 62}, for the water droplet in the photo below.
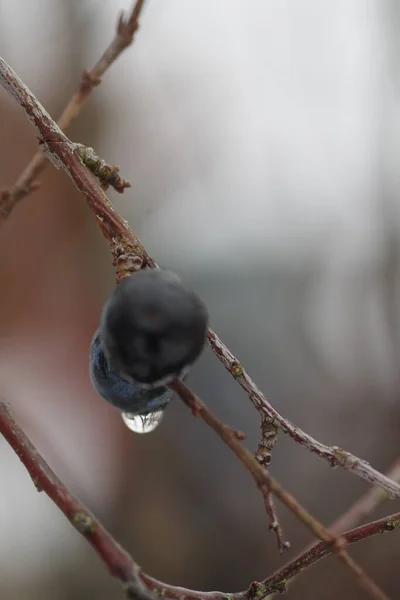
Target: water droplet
{"x": 143, "y": 423}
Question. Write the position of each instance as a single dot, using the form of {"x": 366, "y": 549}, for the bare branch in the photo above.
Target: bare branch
{"x": 275, "y": 524}
{"x": 333, "y": 455}
{"x": 129, "y": 255}
{"x": 268, "y": 484}
{"x": 362, "y": 507}
{"x": 26, "y": 183}
{"x": 269, "y": 433}
{"x": 127, "y": 251}
{"x": 136, "y": 584}
{"x": 62, "y": 152}
{"x": 278, "y": 582}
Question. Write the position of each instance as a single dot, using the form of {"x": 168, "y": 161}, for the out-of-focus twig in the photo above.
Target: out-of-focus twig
{"x": 136, "y": 584}
{"x": 129, "y": 255}
{"x": 26, "y": 183}
{"x": 278, "y": 582}
{"x": 366, "y": 504}
{"x": 268, "y": 484}
{"x": 269, "y": 432}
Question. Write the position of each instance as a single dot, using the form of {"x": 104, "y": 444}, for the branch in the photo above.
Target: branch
{"x": 268, "y": 439}
{"x": 137, "y": 584}
{"x": 333, "y": 455}
{"x": 119, "y": 562}
{"x": 129, "y": 255}
{"x": 269, "y": 433}
{"x": 126, "y": 29}
{"x": 274, "y": 522}
{"x": 64, "y": 153}
{"x": 366, "y": 504}
{"x": 277, "y": 583}
{"x": 268, "y": 484}
{"x": 360, "y": 509}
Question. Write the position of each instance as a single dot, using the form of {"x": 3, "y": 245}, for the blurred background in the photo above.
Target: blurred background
{"x": 262, "y": 140}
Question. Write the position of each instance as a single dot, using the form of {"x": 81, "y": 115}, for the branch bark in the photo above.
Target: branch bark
{"x": 137, "y": 584}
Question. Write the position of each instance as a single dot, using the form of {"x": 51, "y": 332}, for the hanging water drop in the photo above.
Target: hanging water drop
{"x": 143, "y": 423}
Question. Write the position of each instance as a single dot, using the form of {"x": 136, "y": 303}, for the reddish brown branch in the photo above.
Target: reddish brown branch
{"x": 123, "y": 38}
{"x": 263, "y": 479}
{"x": 136, "y": 584}
{"x": 366, "y": 504}
{"x": 269, "y": 432}
{"x": 279, "y": 580}
{"x": 129, "y": 255}
{"x": 360, "y": 508}
{"x": 118, "y": 561}
{"x": 268, "y": 484}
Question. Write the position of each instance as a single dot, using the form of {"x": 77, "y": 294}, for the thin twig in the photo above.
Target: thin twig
{"x": 361, "y": 507}
{"x": 277, "y": 582}
{"x": 129, "y": 255}
{"x": 263, "y": 454}
{"x": 26, "y": 183}
{"x": 269, "y": 432}
{"x": 108, "y": 175}
{"x": 136, "y": 584}
{"x": 268, "y": 484}
{"x": 127, "y": 251}
{"x": 366, "y": 504}
{"x": 119, "y": 562}
{"x": 274, "y": 522}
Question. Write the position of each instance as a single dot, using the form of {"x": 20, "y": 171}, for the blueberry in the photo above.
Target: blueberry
{"x": 153, "y": 328}
{"x": 127, "y": 396}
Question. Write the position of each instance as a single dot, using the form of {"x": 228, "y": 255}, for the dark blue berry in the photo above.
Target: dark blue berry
{"x": 153, "y": 328}
{"x": 127, "y": 396}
